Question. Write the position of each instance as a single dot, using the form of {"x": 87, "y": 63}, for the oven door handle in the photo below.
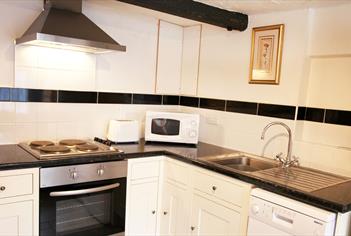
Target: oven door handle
{"x": 83, "y": 191}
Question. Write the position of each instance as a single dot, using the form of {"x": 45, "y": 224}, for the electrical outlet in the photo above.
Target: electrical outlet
{"x": 212, "y": 120}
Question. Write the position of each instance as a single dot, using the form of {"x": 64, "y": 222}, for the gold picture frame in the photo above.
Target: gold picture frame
{"x": 266, "y": 54}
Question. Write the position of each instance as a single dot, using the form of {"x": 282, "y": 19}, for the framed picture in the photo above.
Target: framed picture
{"x": 266, "y": 54}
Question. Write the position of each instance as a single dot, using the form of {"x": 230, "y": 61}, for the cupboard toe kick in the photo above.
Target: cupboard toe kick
{"x": 182, "y": 199}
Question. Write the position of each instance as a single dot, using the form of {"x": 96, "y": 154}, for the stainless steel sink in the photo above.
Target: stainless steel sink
{"x": 241, "y": 162}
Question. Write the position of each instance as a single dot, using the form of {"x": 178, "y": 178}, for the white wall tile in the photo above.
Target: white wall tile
{"x": 25, "y": 132}
{"x": 46, "y": 131}
{"x": 26, "y": 112}
{"x": 7, "y": 112}
{"x": 7, "y": 133}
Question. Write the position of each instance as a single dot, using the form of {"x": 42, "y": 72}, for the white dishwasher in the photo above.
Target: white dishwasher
{"x": 272, "y": 214}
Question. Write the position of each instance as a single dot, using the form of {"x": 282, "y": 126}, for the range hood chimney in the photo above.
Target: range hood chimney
{"x": 62, "y": 25}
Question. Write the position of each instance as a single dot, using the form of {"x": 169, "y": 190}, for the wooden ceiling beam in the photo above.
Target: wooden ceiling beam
{"x": 196, "y": 11}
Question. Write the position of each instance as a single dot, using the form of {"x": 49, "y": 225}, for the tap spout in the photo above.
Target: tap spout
{"x": 288, "y": 157}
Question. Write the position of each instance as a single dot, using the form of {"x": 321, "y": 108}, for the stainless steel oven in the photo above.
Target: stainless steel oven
{"x": 86, "y": 199}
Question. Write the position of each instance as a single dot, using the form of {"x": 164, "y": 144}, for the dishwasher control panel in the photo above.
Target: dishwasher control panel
{"x": 266, "y": 217}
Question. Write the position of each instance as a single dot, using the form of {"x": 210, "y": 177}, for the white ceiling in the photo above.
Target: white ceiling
{"x": 251, "y": 7}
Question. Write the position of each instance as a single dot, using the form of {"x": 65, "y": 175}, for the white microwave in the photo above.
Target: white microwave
{"x": 172, "y": 127}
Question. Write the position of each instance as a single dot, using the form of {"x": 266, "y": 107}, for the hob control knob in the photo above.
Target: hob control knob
{"x": 255, "y": 209}
{"x": 100, "y": 172}
{"x": 74, "y": 174}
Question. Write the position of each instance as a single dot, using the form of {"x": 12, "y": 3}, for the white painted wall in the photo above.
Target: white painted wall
{"x": 225, "y": 60}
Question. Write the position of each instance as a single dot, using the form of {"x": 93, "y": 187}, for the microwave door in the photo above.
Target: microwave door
{"x": 165, "y": 127}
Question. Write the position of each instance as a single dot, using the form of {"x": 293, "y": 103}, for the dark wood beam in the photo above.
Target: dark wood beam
{"x": 196, "y": 11}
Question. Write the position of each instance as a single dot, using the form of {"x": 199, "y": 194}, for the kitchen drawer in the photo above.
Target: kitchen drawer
{"x": 144, "y": 169}
{"x": 16, "y": 185}
{"x": 220, "y": 187}
{"x": 176, "y": 171}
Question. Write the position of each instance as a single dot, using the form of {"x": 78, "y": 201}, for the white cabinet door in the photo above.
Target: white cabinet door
{"x": 190, "y": 60}
{"x": 142, "y": 208}
{"x": 169, "y": 58}
{"x": 16, "y": 218}
{"x": 211, "y": 218}
{"x": 175, "y": 210}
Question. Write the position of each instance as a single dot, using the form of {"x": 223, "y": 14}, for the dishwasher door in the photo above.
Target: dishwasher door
{"x": 258, "y": 228}
{"x": 272, "y": 214}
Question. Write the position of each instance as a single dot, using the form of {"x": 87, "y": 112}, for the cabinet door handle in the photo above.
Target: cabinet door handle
{"x": 192, "y": 228}
{"x": 153, "y": 212}
{"x": 165, "y": 212}
{"x": 214, "y": 188}
{"x": 2, "y": 188}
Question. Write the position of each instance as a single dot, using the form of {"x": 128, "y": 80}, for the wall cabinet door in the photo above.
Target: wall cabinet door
{"x": 142, "y": 208}
{"x": 16, "y": 218}
{"x": 211, "y": 218}
{"x": 169, "y": 58}
{"x": 190, "y": 60}
{"x": 175, "y": 210}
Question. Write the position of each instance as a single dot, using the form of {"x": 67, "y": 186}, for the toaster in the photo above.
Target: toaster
{"x": 123, "y": 131}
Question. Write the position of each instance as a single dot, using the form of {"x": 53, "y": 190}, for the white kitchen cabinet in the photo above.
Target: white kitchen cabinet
{"x": 190, "y": 60}
{"x": 19, "y": 202}
{"x": 175, "y": 210}
{"x": 211, "y": 218}
{"x": 170, "y": 197}
{"x": 169, "y": 58}
{"x": 142, "y": 196}
{"x": 142, "y": 208}
{"x": 16, "y": 218}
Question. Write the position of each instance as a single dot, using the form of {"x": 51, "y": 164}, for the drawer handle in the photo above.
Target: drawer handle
{"x": 153, "y": 212}
{"x": 192, "y": 228}
{"x": 2, "y": 188}
{"x": 165, "y": 212}
{"x": 214, "y": 188}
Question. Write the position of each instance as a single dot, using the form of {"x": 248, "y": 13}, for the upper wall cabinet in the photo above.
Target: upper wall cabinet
{"x": 190, "y": 60}
{"x": 169, "y": 59}
{"x": 178, "y": 59}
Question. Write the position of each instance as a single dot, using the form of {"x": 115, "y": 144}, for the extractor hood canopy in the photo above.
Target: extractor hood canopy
{"x": 62, "y": 25}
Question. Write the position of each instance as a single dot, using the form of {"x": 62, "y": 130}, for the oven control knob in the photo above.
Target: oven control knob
{"x": 100, "y": 172}
{"x": 74, "y": 174}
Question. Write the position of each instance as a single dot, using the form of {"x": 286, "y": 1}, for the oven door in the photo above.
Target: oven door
{"x": 94, "y": 208}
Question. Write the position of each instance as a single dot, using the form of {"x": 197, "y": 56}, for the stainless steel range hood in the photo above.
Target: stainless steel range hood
{"x": 62, "y": 25}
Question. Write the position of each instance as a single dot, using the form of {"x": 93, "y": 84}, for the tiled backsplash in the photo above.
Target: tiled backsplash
{"x": 337, "y": 117}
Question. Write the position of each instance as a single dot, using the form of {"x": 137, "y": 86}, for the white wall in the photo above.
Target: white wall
{"x": 225, "y": 60}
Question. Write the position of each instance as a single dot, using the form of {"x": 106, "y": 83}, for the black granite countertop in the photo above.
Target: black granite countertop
{"x": 336, "y": 198}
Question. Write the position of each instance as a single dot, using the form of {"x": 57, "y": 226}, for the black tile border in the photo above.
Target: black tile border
{"x": 189, "y": 101}
{"x": 213, "y": 104}
{"x": 278, "y": 111}
{"x": 114, "y": 98}
{"x": 170, "y": 100}
{"x": 66, "y": 96}
{"x": 242, "y": 107}
{"x": 338, "y": 117}
{"x": 147, "y": 99}
{"x": 312, "y": 114}
{"x": 5, "y": 94}
{"x": 33, "y": 95}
